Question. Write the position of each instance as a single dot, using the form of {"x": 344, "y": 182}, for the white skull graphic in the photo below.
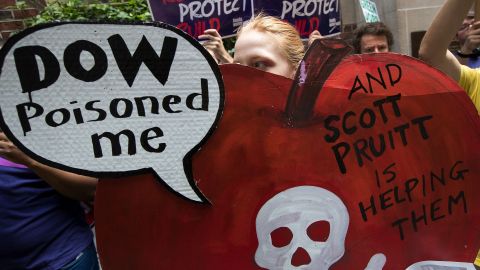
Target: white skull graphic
{"x": 296, "y": 209}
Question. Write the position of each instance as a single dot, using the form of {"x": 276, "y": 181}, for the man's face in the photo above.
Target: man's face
{"x": 373, "y": 44}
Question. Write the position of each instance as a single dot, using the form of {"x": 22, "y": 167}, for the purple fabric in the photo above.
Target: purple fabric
{"x": 473, "y": 62}
{"x": 7, "y": 163}
{"x": 39, "y": 228}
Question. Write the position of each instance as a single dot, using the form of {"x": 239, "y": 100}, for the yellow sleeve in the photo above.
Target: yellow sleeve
{"x": 470, "y": 81}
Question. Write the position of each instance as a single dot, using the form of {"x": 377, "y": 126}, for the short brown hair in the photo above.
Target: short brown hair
{"x": 287, "y": 36}
{"x": 376, "y": 29}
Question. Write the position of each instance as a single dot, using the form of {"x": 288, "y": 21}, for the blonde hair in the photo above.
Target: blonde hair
{"x": 286, "y": 35}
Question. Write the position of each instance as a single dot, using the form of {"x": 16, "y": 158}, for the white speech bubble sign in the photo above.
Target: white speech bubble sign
{"x": 111, "y": 100}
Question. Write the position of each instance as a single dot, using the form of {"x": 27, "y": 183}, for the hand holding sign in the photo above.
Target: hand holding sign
{"x": 10, "y": 152}
{"x": 121, "y": 99}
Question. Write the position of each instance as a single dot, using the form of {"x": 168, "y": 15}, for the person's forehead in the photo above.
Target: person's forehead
{"x": 253, "y": 41}
{"x": 370, "y": 38}
{"x": 254, "y": 36}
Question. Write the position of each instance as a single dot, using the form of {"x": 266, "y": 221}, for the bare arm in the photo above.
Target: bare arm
{"x": 71, "y": 185}
{"x": 433, "y": 49}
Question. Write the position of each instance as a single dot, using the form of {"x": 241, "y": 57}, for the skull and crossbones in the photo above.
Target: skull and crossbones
{"x": 296, "y": 212}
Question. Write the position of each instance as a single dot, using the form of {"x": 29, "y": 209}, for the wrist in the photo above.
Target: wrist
{"x": 473, "y": 54}
{"x": 31, "y": 163}
{"x": 225, "y": 58}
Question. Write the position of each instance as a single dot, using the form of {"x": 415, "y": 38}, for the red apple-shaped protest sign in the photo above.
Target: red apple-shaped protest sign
{"x": 376, "y": 166}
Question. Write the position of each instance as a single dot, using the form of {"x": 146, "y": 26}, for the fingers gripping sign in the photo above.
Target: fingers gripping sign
{"x": 214, "y": 45}
{"x": 314, "y": 36}
{"x": 470, "y": 37}
{"x": 110, "y": 99}
{"x": 10, "y": 152}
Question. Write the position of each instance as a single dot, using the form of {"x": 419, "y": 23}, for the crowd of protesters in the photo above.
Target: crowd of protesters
{"x": 452, "y": 22}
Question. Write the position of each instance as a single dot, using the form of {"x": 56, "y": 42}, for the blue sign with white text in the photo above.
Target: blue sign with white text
{"x": 305, "y": 15}
{"x": 196, "y": 16}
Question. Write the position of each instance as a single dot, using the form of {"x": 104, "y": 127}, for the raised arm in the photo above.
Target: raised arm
{"x": 214, "y": 44}
{"x": 434, "y": 47}
{"x": 71, "y": 185}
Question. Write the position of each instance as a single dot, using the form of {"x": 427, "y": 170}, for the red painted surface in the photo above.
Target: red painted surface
{"x": 254, "y": 154}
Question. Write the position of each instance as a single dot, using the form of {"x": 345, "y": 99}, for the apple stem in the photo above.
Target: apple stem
{"x": 318, "y": 63}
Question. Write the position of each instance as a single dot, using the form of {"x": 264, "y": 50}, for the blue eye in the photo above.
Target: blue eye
{"x": 259, "y": 65}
